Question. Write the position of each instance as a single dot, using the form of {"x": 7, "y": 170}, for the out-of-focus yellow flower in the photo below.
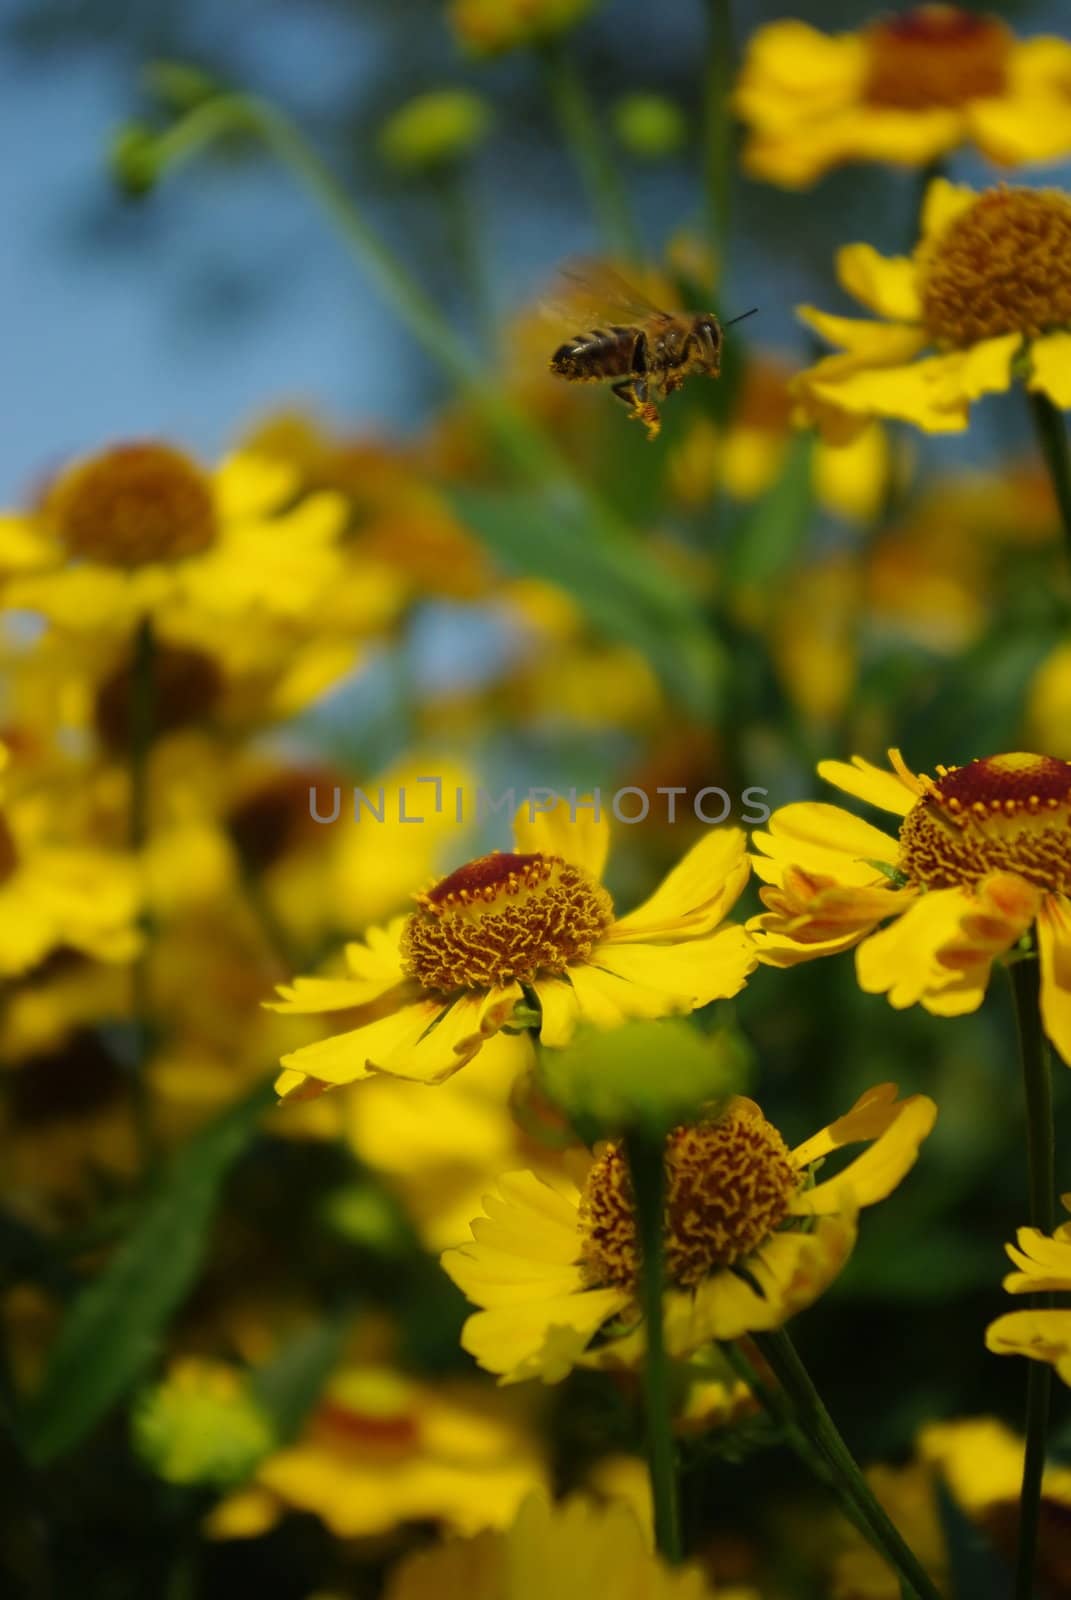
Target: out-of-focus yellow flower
{"x": 490, "y": 27}
{"x": 120, "y": 535}
{"x": 57, "y": 892}
{"x": 746, "y": 457}
{"x": 904, "y": 90}
{"x": 812, "y": 636}
{"x": 985, "y": 298}
{"x": 983, "y": 860}
{"x": 533, "y": 924}
{"x": 201, "y": 1425}
{"x": 1048, "y": 712}
{"x": 979, "y": 1463}
{"x": 1042, "y": 1266}
{"x": 382, "y": 1450}
{"x": 650, "y": 126}
{"x": 572, "y": 1551}
{"x": 552, "y": 1264}
{"x": 435, "y": 129}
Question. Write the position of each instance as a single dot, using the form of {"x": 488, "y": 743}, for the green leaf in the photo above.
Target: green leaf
{"x": 108, "y": 1337}
{"x": 619, "y": 586}
{"x": 768, "y": 540}
{"x": 290, "y": 1386}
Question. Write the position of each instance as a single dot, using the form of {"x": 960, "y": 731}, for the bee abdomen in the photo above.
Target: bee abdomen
{"x": 591, "y": 357}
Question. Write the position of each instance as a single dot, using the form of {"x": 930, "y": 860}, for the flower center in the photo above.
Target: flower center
{"x": 1009, "y": 813}
{"x": 936, "y": 56}
{"x": 134, "y": 505}
{"x": 1002, "y": 266}
{"x": 729, "y": 1185}
{"x": 504, "y": 918}
{"x": 186, "y": 687}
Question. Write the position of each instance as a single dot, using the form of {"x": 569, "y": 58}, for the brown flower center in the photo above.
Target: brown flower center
{"x": 133, "y": 506}
{"x": 936, "y": 56}
{"x": 729, "y": 1186}
{"x": 186, "y": 687}
{"x": 1002, "y": 266}
{"x": 1009, "y": 813}
{"x": 504, "y": 918}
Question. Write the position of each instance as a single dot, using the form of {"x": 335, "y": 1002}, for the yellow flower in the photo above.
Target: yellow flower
{"x": 1048, "y": 712}
{"x": 424, "y": 993}
{"x": 904, "y": 90}
{"x": 983, "y": 858}
{"x": 382, "y": 1450}
{"x": 572, "y": 1551}
{"x": 57, "y": 893}
{"x": 978, "y": 1462}
{"x": 750, "y": 1239}
{"x": 489, "y": 27}
{"x": 1043, "y": 1266}
{"x": 985, "y": 297}
{"x": 140, "y": 527}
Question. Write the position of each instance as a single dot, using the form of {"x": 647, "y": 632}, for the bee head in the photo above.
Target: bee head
{"x": 707, "y": 332}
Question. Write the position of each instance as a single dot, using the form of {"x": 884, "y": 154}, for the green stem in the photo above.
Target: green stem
{"x": 142, "y": 715}
{"x": 1051, "y": 433}
{"x": 718, "y": 129}
{"x": 580, "y": 127}
{"x": 647, "y": 1169}
{"x": 1041, "y": 1157}
{"x": 822, "y": 1432}
{"x": 459, "y": 213}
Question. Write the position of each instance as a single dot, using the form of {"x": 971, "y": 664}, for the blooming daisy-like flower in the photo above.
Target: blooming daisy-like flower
{"x": 382, "y": 1449}
{"x": 982, "y": 861}
{"x": 141, "y": 526}
{"x": 533, "y": 925}
{"x": 903, "y": 89}
{"x": 571, "y": 1551}
{"x": 1042, "y": 1266}
{"x": 750, "y": 1239}
{"x": 985, "y": 298}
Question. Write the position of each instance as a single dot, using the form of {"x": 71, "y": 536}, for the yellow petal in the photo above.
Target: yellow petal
{"x": 1054, "y": 953}
{"x": 874, "y": 1174}
{"x": 1043, "y": 1335}
{"x": 943, "y": 203}
{"x": 866, "y": 782}
{"x": 345, "y": 1057}
{"x": 965, "y": 375}
{"x": 871, "y": 1114}
{"x": 449, "y": 1041}
{"x": 568, "y": 831}
{"x": 850, "y": 479}
{"x": 826, "y": 841}
{"x": 1033, "y": 123}
{"x": 908, "y": 393}
{"x": 695, "y": 895}
{"x": 1050, "y": 367}
{"x": 901, "y": 960}
{"x": 887, "y": 285}
{"x": 544, "y": 1339}
{"x": 1044, "y": 1263}
{"x": 249, "y": 485}
{"x": 676, "y": 977}
{"x": 864, "y": 343}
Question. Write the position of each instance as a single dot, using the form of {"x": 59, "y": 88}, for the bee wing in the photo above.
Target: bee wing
{"x": 589, "y": 292}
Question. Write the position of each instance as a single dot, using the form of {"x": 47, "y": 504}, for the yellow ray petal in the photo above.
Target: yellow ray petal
{"x": 873, "y": 784}
{"x": 1054, "y": 953}
{"x": 865, "y": 343}
{"x": 687, "y": 975}
{"x": 1050, "y": 361}
{"x": 943, "y": 203}
{"x": 875, "y": 1173}
{"x": 572, "y": 833}
{"x": 345, "y": 1057}
{"x": 871, "y": 1114}
{"x": 696, "y": 894}
{"x": 451, "y": 1040}
{"x": 901, "y": 961}
{"x": 826, "y": 841}
{"x": 1043, "y": 1335}
{"x": 885, "y": 284}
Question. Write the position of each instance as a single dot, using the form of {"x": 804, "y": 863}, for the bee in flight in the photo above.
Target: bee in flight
{"x": 643, "y": 352}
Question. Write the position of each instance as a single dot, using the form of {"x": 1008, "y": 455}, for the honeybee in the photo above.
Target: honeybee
{"x": 643, "y": 352}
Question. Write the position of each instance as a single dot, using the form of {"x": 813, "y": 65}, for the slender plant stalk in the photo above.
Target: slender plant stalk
{"x": 822, "y": 1433}
{"x": 718, "y": 128}
{"x": 1051, "y": 432}
{"x": 646, "y": 1160}
{"x": 587, "y": 143}
{"x": 142, "y": 716}
{"x": 1041, "y": 1155}
{"x": 463, "y": 233}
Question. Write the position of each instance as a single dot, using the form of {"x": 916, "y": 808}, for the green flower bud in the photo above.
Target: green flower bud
{"x": 434, "y": 129}
{"x": 647, "y": 1077}
{"x": 201, "y": 1425}
{"x": 650, "y": 126}
{"x": 365, "y": 1215}
{"x": 133, "y": 160}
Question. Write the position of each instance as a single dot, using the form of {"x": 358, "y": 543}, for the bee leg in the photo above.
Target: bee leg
{"x": 633, "y": 391}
